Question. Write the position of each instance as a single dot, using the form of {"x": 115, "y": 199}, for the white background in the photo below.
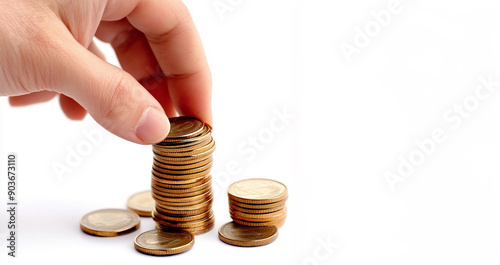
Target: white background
{"x": 352, "y": 123}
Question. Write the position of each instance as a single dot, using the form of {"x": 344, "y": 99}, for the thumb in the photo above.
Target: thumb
{"x": 110, "y": 95}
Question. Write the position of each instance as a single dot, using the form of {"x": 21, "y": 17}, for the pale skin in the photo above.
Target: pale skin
{"x": 46, "y": 49}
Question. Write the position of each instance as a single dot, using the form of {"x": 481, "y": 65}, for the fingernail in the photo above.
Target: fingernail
{"x": 153, "y": 126}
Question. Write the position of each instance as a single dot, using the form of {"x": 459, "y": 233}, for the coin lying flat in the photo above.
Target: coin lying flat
{"x": 257, "y": 191}
{"x": 160, "y": 243}
{"x": 247, "y": 236}
{"x": 141, "y": 203}
{"x": 110, "y": 222}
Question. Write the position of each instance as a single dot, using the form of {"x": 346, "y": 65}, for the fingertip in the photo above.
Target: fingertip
{"x": 153, "y": 126}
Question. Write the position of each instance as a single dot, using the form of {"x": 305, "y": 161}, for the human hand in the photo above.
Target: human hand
{"x": 46, "y": 49}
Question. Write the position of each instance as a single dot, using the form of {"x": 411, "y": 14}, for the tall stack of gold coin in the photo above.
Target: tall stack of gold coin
{"x": 258, "y": 202}
{"x": 181, "y": 181}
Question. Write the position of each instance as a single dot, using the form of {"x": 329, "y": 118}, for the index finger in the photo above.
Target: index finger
{"x": 176, "y": 44}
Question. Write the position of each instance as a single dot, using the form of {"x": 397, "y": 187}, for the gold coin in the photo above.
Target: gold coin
{"x": 181, "y": 146}
{"x": 187, "y": 224}
{"x": 183, "y": 197}
{"x": 277, "y": 222}
{"x": 190, "y": 167}
{"x": 173, "y": 184}
{"x": 180, "y": 180}
{"x": 191, "y": 211}
{"x": 208, "y": 223}
{"x": 209, "y": 146}
{"x": 233, "y": 207}
{"x": 166, "y": 207}
{"x": 201, "y": 136}
{"x": 203, "y": 186}
{"x": 258, "y": 217}
{"x": 280, "y": 223}
{"x": 257, "y": 191}
{"x": 141, "y": 203}
{"x": 160, "y": 243}
{"x": 181, "y": 127}
{"x": 258, "y": 206}
{"x": 247, "y": 236}
{"x": 180, "y": 153}
{"x": 170, "y": 157}
{"x": 185, "y": 166}
{"x": 163, "y": 192}
{"x": 182, "y": 205}
{"x": 194, "y": 230}
{"x": 182, "y": 176}
{"x": 184, "y": 171}
{"x": 182, "y": 218}
{"x": 201, "y": 230}
{"x": 182, "y": 160}
{"x": 110, "y": 222}
{"x": 177, "y": 205}
{"x": 178, "y": 201}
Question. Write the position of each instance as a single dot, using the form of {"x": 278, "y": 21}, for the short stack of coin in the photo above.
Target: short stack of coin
{"x": 258, "y": 202}
{"x": 181, "y": 181}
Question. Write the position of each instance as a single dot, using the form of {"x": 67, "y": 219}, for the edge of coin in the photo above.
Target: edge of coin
{"x": 280, "y": 197}
{"x": 114, "y": 233}
{"x": 250, "y": 243}
{"x": 163, "y": 252}
{"x": 140, "y": 212}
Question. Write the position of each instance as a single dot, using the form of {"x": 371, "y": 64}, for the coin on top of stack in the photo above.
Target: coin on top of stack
{"x": 180, "y": 180}
{"x": 258, "y": 202}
